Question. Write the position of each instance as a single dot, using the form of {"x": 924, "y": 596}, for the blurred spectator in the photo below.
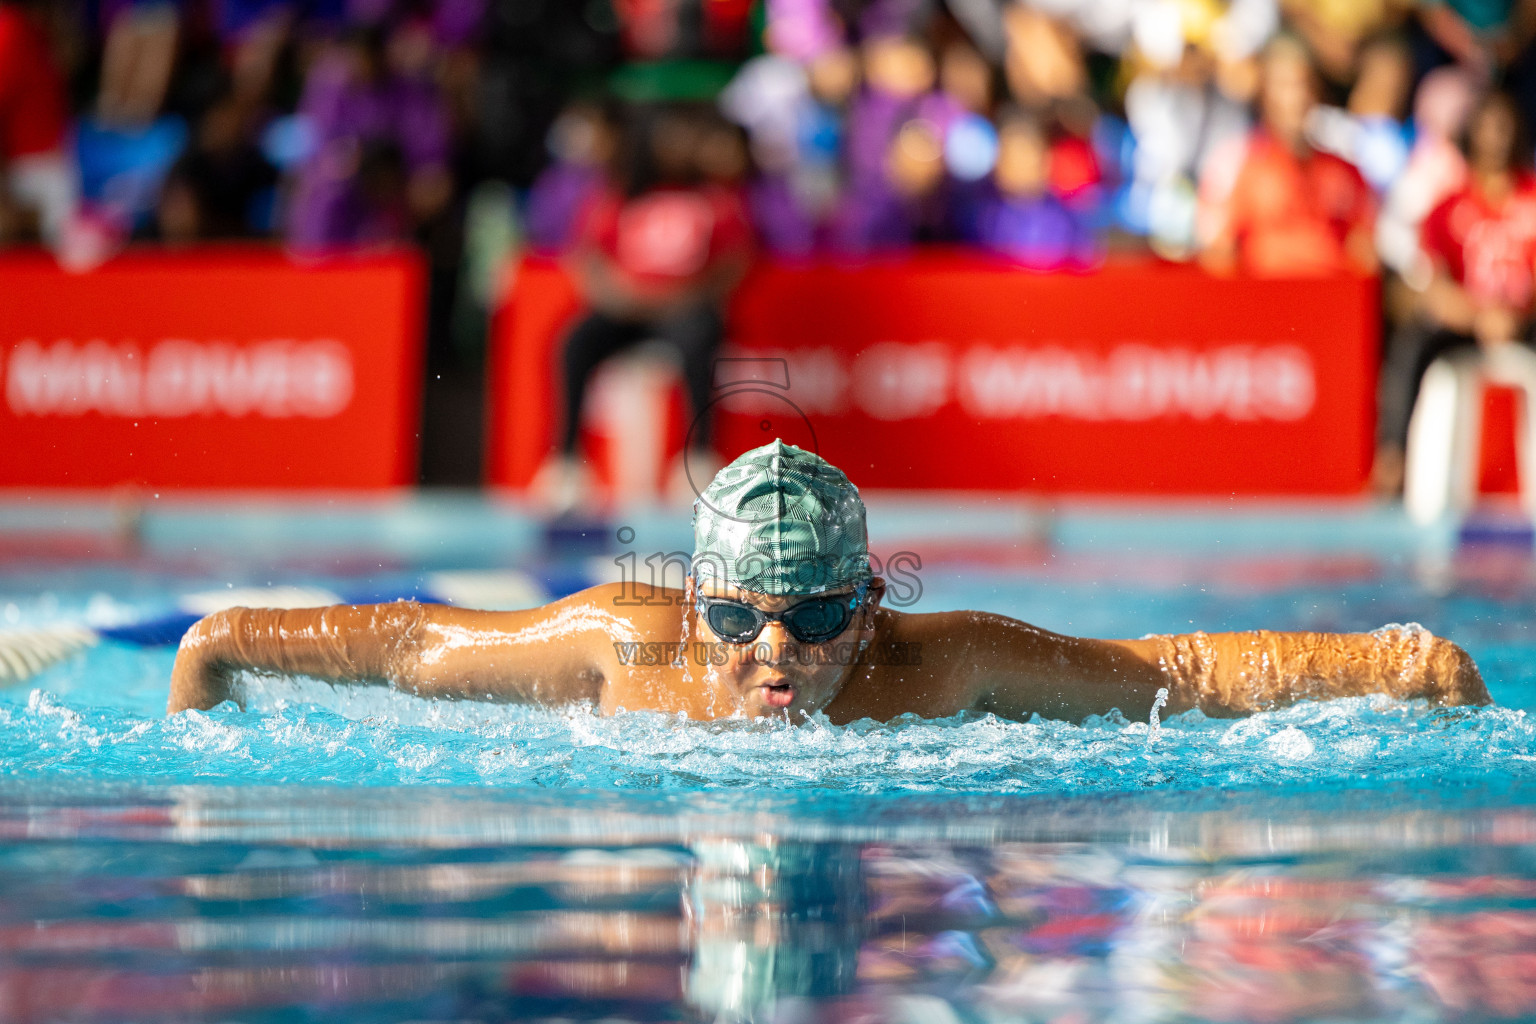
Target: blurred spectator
{"x": 771, "y": 97}
{"x": 1336, "y": 30}
{"x": 1481, "y": 242}
{"x": 656, "y": 258}
{"x": 1185, "y": 118}
{"x": 1370, "y": 131}
{"x": 796, "y": 117}
{"x": 1291, "y": 211}
{"x": 722, "y": 157}
{"x": 904, "y": 205}
{"x": 1045, "y": 58}
{"x": 970, "y": 84}
{"x": 1023, "y": 217}
{"x": 123, "y": 169}
{"x": 380, "y": 163}
{"x": 899, "y": 76}
{"x": 802, "y": 29}
{"x": 1482, "y": 35}
{"x": 223, "y": 188}
{"x": 38, "y": 190}
{"x": 834, "y": 77}
{"x": 581, "y": 143}
{"x": 966, "y": 77}
{"x": 137, "y": 60}
{"x": 1435, "y": 168}
{"x": 253, "y": 35}
{"x": 532, "y": 59}
{"x": 898, "y": 126}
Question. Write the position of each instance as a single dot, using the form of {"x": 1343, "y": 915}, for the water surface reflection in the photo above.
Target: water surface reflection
{"x": 244, "y": 904}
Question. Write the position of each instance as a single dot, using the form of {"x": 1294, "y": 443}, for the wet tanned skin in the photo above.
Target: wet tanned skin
{"x": 932, "y": 665}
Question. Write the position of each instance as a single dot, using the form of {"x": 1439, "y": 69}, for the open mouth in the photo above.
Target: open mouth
{"x": 779, "y": 695}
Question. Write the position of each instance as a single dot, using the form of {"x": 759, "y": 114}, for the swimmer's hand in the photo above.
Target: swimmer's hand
{"x": 198, "y": 679}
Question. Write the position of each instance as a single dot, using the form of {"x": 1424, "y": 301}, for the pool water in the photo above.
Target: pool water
{"x": 357, "y": 854}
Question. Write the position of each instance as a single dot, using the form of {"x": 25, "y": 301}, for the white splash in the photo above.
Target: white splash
{"x": 1154, "y": 724}
{"x": 1290, "y": 744}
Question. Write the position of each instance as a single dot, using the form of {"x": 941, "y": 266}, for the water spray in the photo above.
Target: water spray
{"x": 1154, "y": 724}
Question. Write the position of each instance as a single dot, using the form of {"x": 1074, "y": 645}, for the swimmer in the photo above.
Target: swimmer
{"x": 780, "y": 615}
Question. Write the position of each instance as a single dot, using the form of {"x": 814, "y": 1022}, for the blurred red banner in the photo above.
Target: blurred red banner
{"x": 210, "y": 369}
{"x": 949, "y": 370}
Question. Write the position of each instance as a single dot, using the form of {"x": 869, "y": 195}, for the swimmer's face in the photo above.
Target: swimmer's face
{"x": 777, "y": 674}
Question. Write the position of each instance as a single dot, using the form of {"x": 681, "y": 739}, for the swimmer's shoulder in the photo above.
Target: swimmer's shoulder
{"x": 916, "y": 665}
{"x": 943, "y": 633}
{"x": 625, "y": 607}
{"x": 646, "y": 606}
{"x": 937, "y": 664}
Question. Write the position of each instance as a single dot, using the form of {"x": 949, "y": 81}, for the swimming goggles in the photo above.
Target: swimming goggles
{"x": 812, "y": 621}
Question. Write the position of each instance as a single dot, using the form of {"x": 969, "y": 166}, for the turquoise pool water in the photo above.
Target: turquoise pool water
{"x": 355, "y": 854}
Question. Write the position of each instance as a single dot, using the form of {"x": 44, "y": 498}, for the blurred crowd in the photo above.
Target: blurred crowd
{"x": 1049, "y": 129}
{"x": 1273, "y": 137}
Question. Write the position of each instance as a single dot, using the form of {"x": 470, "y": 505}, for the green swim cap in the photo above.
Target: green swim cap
{"x": 781, "y": 521}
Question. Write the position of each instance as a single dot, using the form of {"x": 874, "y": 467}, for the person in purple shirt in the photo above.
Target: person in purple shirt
{"x": 381, "y": 132}
{"x": 581, "y": 142}
{"x": 899, "y": 77}
{"x": 1020, "y": 216}
{"x": 909, "y": 202}
{"x": 457, "y": 23}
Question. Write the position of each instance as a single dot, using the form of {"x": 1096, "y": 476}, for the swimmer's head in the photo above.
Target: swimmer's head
{"x": 780, "y": 521}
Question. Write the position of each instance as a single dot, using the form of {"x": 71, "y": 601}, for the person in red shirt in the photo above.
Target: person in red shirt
{"x": 1482, "y": 242}
{"x": 655, "y": 258}
{"x": 36, "y": 177}
{"x": 1290, "y": 211}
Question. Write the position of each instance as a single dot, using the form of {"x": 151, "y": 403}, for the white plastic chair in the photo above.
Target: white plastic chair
{"x": 1446, "y": 431}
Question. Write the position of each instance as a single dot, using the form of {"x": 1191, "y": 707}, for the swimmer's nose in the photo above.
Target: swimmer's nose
{"x": 778, "y": 640}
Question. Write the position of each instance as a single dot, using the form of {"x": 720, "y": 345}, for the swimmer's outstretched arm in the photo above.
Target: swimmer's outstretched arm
{"x": 1239, "y": 673}
{"x": 1222, "y": 674}
{"x": 550, "y": 654}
